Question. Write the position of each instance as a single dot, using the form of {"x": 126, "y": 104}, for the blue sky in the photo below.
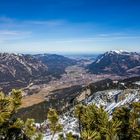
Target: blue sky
{"x": 69, "y": 26}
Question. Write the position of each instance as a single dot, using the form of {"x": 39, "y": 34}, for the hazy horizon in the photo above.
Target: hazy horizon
{"x": 66, "y": 53}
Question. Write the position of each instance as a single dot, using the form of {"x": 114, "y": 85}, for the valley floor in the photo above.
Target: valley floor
{"x": 75, "y": 75}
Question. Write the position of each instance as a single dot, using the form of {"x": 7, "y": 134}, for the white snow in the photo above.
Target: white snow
{"x": 98, "y": 60}
{"x": 116, "y": 51}
{"x": 137, "y": 83}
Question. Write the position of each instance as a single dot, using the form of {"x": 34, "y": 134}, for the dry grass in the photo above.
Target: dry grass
{"x": 40, "y": 96}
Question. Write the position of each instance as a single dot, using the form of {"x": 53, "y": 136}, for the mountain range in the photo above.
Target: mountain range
{"x": 116, "y": 62}
{"x": 56, "y": 63}
{"x": 19, "y": 70}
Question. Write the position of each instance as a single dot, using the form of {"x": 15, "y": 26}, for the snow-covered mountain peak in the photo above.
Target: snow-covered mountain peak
{"x": 117, "y": 52}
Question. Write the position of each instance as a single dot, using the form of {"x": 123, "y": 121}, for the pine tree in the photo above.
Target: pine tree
{"x": 12, "y": 128}
{"x": 96, "y": 124}
{"x": 123, "y": 115}
{"x": 69, "y": 136}
{"x": 134, "y": 121}
{"x": 130, "y": 121}
{"x": 90, "y": 135}
{"x": 110, "y": 130}
{"x": 54, "y": 124}
{"x": 79, "y": 111}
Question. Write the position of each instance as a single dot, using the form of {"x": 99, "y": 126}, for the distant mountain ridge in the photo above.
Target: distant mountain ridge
{"x": 56, "y": 63}
{"x": 116, "y": 62}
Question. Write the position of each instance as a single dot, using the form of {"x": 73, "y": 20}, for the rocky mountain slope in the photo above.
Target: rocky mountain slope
{"x": 20, "y": 67}
{"x": 16, "y": 68}
{"x": 116, "y": 62}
